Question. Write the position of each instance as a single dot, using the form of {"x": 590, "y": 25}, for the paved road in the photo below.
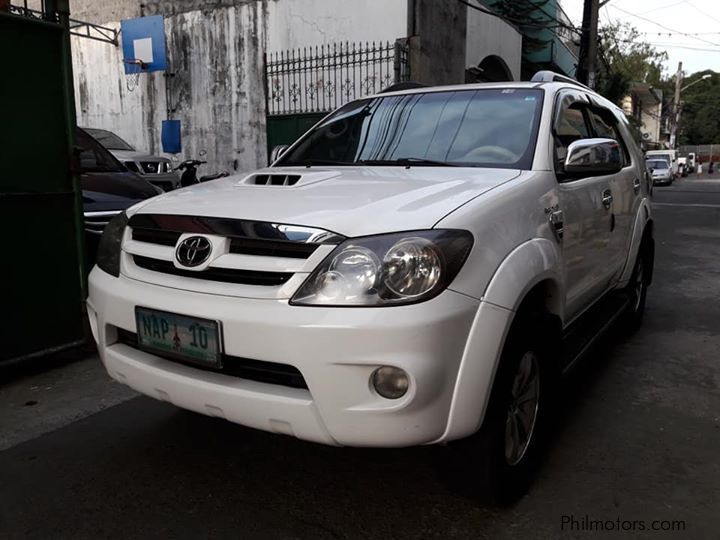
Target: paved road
{"x": 637, "y": 439}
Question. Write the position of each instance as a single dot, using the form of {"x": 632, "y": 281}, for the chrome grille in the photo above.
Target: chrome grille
{"x": 95, "y": 222}
{"x": 251, "y": 253}
{"x": 151, "y": 167}
{"x": 224, "y": 275}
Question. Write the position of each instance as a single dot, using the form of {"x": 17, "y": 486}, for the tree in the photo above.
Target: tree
{"x": 700, "y": 119}
{"x": 625, "y": 59}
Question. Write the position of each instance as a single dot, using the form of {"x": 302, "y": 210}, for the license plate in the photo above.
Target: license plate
{"x": 183, "y": 338}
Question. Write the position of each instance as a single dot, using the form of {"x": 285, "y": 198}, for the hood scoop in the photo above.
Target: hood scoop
{"x": 287, "y": 178}
{"x": 273, "y": 179}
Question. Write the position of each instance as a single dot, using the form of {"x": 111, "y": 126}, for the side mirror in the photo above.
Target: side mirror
{"x": 277, "y": 152}
{"x": 593, "y": 157}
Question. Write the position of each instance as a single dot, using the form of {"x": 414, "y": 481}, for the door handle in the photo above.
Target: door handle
{"x": 607, "y": 199}
{"x": 636, "y": 185}
{"x": 557, "y": 223}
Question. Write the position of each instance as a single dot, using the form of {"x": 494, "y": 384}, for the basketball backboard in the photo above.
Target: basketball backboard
{"x": 143, "y": 44}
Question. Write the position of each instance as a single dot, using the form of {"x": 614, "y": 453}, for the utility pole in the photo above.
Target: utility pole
{"x": 588, "y": 43}
{"x": 676, "y": 108}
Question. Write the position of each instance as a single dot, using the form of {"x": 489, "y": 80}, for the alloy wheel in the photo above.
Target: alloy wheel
{"x": 523, "y": 409}
{"x": 639, "y": 284}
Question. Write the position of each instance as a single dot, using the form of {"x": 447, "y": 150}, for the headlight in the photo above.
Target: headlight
{"x": 108, "y": 256}
{"x": 389, "y": 269}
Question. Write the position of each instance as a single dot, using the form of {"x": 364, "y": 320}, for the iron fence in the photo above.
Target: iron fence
{"x": 322, "y": 78}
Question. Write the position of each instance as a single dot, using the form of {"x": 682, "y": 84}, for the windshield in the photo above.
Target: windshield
{"x": 657, "y": 164}
{"x": 93, "y": 157}
{"x": 108, "y": 139}
{"x": 477, "y": 128}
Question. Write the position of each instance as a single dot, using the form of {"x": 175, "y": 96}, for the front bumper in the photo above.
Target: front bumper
{"x": 335, "y": 349}
{"x": 166, "y": 181}
{"x": 662, "y": 180}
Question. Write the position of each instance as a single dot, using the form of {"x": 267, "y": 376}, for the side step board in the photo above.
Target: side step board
{"x": 581, "y": 335}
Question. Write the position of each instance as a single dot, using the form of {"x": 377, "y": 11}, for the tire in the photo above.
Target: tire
{"x": 498, "y": 463}
{"x": 636, "y": 289}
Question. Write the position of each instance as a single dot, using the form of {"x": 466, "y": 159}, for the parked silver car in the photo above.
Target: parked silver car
{"x": 155, "y": 169}
{"x": 661, "y": 171}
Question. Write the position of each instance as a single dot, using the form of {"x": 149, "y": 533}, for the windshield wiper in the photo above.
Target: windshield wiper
{"x": 408, "y": 161}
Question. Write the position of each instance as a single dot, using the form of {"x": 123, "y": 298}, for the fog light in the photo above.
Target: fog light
{"x": 390, "y": 382}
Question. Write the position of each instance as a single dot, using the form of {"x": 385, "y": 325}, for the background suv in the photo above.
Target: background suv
{"x": 419, "y": 268}
{"x": 156, "y": 169}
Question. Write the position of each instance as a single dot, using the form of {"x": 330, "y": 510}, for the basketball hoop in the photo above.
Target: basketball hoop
{"x": 133, "y": 68}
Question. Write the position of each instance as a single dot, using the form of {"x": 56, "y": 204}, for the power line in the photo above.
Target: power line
{"x": 689, "y": 47}
{"x": 663, "y": 26}
{"x": 670, "y": 34}
{"x": 664, "y": 7}
{"x": 703, "y": 12}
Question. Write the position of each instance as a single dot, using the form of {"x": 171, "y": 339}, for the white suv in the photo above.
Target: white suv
{"x": 418, "y": 268}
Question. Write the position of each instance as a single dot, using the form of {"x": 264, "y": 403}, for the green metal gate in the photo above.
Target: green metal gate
{"x": 303, "y": 85}
{"x": 43, "y": 287}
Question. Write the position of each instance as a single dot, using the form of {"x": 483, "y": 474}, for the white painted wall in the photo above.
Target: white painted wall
{"x": 301, "y": 23}
{"x": 488, "y": 35}
{"x": 217, "y": 90}
{"x": 101, "y": 96}
{"x": 650, "y": 118}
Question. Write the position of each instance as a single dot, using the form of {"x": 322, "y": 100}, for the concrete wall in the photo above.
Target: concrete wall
{"x": 437, "y": 54}
{"x": 216, "y": 91}
{"x": 488, "y": 35}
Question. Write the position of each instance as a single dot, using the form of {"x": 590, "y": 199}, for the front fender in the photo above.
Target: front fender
{"x": 525, "y": 267}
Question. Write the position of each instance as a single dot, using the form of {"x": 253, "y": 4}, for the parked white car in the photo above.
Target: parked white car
{"x": 417, "y": 269}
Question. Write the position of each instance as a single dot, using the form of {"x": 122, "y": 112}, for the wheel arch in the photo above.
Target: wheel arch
{"x": 528, "y": 280}
{"x": 532, "y": 271}
{"x": 643, "y": 232}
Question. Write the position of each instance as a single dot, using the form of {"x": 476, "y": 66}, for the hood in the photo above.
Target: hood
{"x": 116, "y": 190}
{"x": 352, "y": 201}
{"x": 132, "y": 155}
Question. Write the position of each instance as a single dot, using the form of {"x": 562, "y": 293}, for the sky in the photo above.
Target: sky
{"x": 688, "y": 30}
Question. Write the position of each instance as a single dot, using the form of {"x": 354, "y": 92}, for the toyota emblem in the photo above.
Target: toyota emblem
{"x": 193, "y": 251}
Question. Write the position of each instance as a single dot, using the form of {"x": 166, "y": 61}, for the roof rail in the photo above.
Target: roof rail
{"x": 405, "y": 85}
{"x": 550, "y": 76}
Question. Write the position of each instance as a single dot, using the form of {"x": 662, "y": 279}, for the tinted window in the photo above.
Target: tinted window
{"x": 108, "y": 139}
{"x": 605, "y": 126}
{"x": 93, "y": 157}
{"x": 483, "y": 128}
{"x": 571, "y": 125}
